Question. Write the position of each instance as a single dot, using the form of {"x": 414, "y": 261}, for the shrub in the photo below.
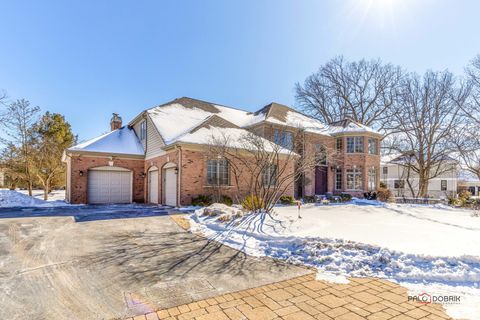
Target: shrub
{"x": 287, "y": 200}
{"x": 384, "y": 194}
{"x": 346, "y": 197}
{"x": 370, "y": 195}
{"x": 309, "y": 199}
{"x": 383, "y": 185}
{"x": 226, "y": 200}
{"x": 202, "y": 200}
{"x": 252, "y": 203}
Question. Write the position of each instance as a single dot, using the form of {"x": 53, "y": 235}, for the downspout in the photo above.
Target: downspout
{"x": 179, "y": 174}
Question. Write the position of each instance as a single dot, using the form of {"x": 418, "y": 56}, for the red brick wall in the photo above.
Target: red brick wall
{"x": 78, "y": 187}
{"x": 193, "y": 177}
{"x": 160, "y": 162}
{"x": 342, "y": 159}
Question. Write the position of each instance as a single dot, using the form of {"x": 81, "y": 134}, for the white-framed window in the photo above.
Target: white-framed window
{"x": 372, "y": 179}
{"x": 354, "y": 144}
{"x": 283, "y": 138}
{"x": 143, "y": 130}
{"x": 339, "y": 144}
{"x": 338, "y": 179}
{"x": 354, "y": 179}
{"x": 443, "y": 185}
{"x": 372, "y": 146}
{"x": 218, "y": 172}
{"x": 399, "y": 184}
{"x": 269, "y": 175}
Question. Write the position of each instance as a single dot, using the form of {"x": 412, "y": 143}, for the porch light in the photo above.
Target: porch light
{"x": 142, "y": 174}
{"x": 176, "y": 170}
{"x": 80, "y": 173}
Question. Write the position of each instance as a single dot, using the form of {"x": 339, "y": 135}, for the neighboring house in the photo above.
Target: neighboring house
{"x": 401, "y": 182}
{"x": 161, "y": 157}
{"x": 468, "y": 181}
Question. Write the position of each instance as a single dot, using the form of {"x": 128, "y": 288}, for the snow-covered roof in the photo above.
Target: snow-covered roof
{"x": 231, "y": 137}
{"x": 348, "y": 126}
{"x": 177, "y": 119}
{"x": 120, "y": 141}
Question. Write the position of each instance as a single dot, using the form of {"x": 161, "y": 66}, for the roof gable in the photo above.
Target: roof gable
{"x": 120, "y": 141}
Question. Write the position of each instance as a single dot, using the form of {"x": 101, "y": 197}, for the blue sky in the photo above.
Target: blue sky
{"x": 87, "y": 59}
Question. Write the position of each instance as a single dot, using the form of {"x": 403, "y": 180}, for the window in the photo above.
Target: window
{"x": 354, "y": 179}
{"x": 320, "y": 154}
{"x": 218, "y": 172}
{"x": 399, "y": 184}
{"x": 385, "y": 170}
{"x": 339, "y": 144}
{"x": 443, "y": 185}
{"x": 143, "y": 130}
{"x": 283, "y": 138}
{"x": 270, "y": 175}
{"x": 372, "y": 146}
{"x": 338, "y": 179}
{"x": 372, "y": 179}
{"x": 354, "y": 144}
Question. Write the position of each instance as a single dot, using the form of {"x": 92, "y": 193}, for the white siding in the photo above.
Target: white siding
{"x": 154, "y": 141}
{"x": 396, "y": 172}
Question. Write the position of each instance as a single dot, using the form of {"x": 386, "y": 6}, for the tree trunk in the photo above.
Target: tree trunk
{"x": 46, "y": 189}
{"x": 422, "y": 187}
{"x": 30, "y": 188}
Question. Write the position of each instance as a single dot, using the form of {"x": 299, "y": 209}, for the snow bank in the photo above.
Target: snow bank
{"x": 11, "y": 198}
{"x": 322, "y": 238}
{"x": 221, "y": 211}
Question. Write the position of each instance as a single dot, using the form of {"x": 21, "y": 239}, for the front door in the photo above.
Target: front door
{"x": 321, "y": 180}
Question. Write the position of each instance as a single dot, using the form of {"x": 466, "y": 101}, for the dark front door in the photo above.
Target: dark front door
{"x": 321, "y": 180}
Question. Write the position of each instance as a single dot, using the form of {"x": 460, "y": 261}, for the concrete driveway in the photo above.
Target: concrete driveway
{"x": 54, "y": 267}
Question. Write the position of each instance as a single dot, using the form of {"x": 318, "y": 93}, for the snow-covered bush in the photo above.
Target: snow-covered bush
{"x": 224, "y": 212}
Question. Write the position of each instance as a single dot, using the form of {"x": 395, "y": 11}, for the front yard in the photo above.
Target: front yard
{"x": 434, "y": 249}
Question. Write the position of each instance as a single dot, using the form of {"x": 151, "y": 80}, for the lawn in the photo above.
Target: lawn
{"x": 426, "y": 248}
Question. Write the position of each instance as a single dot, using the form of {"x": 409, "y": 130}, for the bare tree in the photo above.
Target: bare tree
{"x": 467, "y": 137}
{"x": 17, "y": 121}
{"x": 364, "y": 91}
{"x": 267, "y": 169}
{"x": 473, "y": 74}
{"x": 425, "y": 128}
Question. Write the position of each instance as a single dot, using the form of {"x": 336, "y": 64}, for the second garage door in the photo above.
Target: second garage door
{"x": 109, "y": 185}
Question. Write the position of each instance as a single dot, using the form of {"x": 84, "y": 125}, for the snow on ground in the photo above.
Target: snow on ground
{"x": 20, "y": 198}
{"x": 431, "y": 247}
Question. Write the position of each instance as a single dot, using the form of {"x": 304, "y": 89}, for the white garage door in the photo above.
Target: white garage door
{"x": 153, "y": 186}
{"x": 112, "y": 185}
{"x": 170, "y": 187}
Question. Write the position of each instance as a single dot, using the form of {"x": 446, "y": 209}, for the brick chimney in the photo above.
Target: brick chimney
{"x": 115, "y": 122}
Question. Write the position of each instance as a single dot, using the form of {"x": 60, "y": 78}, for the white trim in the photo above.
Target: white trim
{"x": 169, "y": 165}
{"x": 108, "y": 168}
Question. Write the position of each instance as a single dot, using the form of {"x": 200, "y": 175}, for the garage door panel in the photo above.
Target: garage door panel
{"x": 108, "y": 186}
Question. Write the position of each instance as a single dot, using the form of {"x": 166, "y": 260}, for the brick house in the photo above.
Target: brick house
{"x": 160, "y": 155}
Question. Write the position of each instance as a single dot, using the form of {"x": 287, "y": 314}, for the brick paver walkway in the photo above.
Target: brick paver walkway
{"x": 306, "y": 298}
